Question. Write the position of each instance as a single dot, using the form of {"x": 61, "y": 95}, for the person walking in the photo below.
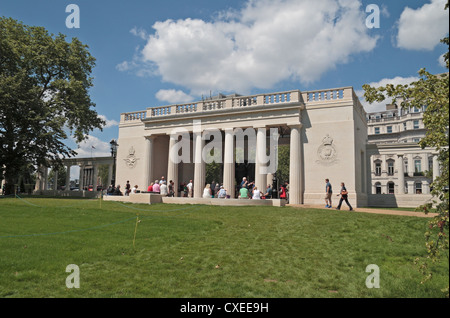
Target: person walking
{"x": 189, "y": 188}
{"x": 344, "y": 197}
{"x": 328, "y": 193}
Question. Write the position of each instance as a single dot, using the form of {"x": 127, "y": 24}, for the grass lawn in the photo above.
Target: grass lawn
{"x": 207, "y": 251}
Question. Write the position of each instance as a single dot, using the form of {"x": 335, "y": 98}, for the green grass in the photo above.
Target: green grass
{"x": 207, "y": 251}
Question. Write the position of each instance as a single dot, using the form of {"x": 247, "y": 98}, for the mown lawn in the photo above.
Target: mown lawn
{"x": 207, "y": 251}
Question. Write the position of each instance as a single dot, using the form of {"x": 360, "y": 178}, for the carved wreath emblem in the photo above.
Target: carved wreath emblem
{"x": 131, "y": 159}
{"x": 327, "y": 151}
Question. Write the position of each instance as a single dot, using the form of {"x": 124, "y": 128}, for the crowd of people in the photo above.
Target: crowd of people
{"x": 244, "y": 190}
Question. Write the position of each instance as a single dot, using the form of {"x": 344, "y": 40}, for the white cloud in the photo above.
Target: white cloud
{"x": 441, "y": 61}
{"x": 139, "y": 32}
{"x": 375, "y": 107}
{"x": 423, "y": 28}
{"x": 264, "y": 43}
{"x": 93, "y": 147}
{"x": 173, "y": 96}
{"x": 109, "y": 122}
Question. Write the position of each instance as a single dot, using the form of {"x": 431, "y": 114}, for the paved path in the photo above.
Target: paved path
{"x": 368, "y": 210}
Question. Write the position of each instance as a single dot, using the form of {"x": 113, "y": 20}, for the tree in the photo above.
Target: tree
{"x": 431, "y": 91}
{"x": 44, "y": 95}
{"x": 283, "y": 163}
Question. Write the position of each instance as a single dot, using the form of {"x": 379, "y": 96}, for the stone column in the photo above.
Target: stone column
{"x": 400, "y": 175}
{"x": 425, "y": 187}
{"x": 55, "y": 179}
{"x": 228, "y": 164}
{"x": 110, "y": 171}
{"x": 384, "y": 167}
{"x": 295, "y": 173}
{"x": 172, "y": 167}
{"x": 410, "y": 165}
{"x": 149, "y": 162}
{"x": 45, "y": 185}
{"x": 260, "y": 175}
{"x": 95, "y": 177}
{"x": 436, "y": 172}
{"x": 68, "y": 177}
{"x": 81, "y": 180}
{"x": 199, "y": 165}
{"x": 410, "y": 187}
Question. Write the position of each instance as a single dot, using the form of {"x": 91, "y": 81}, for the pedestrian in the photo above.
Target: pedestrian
{"x": 286, "y": 186}
{"x": 328, "y": 193}
{"x": 189, "y": 188}
{"x": 213, "y": 188}
{"x": 256, "y": 193}
{"x": 207, "y": 192}
{"x": 243, "y": 193}
{"x": 282, "y": 192}
{"x": 127, "y": 188}
{"x": 344, "y": 197}
{"x": 222, "y": 193}
{"x": 156, "y": 186}
{"x": 269, "y": 191}
{"x": 163, "y": 189}
{"x": 135, "y": 189}
{"x": 171, "y": 189}
{"x": 150, "y": 187}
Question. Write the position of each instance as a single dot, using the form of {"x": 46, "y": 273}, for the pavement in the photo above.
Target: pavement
{"x": 367, "y": 210}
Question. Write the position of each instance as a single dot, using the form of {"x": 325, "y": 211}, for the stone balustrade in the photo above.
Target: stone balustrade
{"x": 234, "y": 101}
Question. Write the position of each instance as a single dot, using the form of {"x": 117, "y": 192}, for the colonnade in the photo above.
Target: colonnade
{"x": 88, "y": 175}
{"x": 229, "y": 160}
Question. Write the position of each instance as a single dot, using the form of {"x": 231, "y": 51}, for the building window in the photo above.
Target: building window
{"x": 430, "y": 164}
{"x": 416, "y": 110}
{"x": 377, "y": 188}
{"x": 416, "y": 124}
{"x": 377, "y": 130}
{"x": 406, "y": 167}
{"x": 416, "y": 140}
{"x": 390, "y": 168}
{"x": 417, "y": 165}
{"x": 391, "y": 187}
{"x": 404, "y": 126}
{"x": 418, "y": 187}
{"x": 378, "y": 168}
{"x": 389, "y": 129}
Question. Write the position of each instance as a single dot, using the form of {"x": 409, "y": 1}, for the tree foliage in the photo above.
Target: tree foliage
{"x": 431, "y": 91}
{"x": 44, "y": 96}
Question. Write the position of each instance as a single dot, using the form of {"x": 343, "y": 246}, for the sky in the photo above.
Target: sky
{"x": 154, "y": 53}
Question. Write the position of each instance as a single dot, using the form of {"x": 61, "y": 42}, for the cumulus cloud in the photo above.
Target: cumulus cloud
{"x": 441, "y": 61}
{"x": 423, "y": 28}
{"x": 264, "y": 43}
{"x": 173, "y": 96}
{"x": 93, "y": 147}
{"x": 109, "y": 122}
{"x": 375, "y": 107}
{"x": 139, "y": 32}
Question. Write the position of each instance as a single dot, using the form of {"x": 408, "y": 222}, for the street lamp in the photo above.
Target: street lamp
{"x": 114, "y": 146}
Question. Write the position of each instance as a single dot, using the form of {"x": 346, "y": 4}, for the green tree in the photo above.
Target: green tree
{"x": 213, "y": 172}
{"x": 44, "y": 92}
{"x": 61, "y": 177}
{"x": 283, "y": 163}
{"x": 431, "y": 91}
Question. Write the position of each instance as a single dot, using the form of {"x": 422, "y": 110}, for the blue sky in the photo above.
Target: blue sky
{"x": 153, "y": 53}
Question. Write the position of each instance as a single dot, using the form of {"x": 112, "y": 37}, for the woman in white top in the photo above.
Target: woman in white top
{"x": 207, "y": 192}
{"x": 134, "y": 190}
{"x": 256, "y": 194}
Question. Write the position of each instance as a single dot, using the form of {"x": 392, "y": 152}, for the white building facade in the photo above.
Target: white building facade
{"x": 326, "y": 131}
{"x": 399, "y": 166}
